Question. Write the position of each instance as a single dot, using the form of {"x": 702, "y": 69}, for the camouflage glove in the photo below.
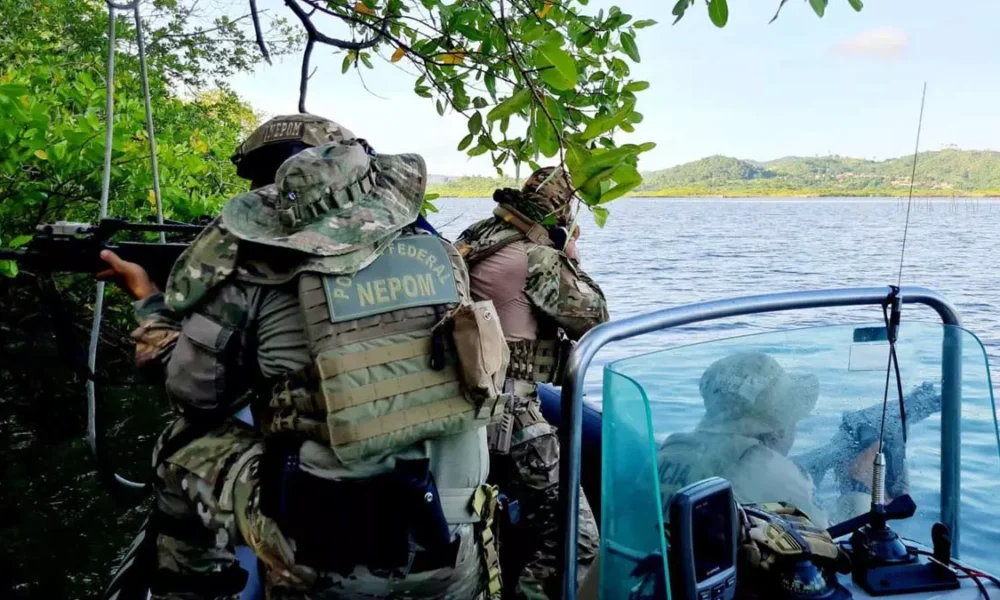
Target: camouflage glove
{"x": 777, "y": 534}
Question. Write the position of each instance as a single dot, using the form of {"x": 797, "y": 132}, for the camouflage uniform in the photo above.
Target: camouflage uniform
{"x": 228, "y": 324}
{"x": 564, "y": 298}
{"x": 751, "y": 410}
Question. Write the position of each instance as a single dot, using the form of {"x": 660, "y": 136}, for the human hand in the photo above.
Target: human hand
{"x": 860, "y": 468}
{"x": 131, "y": 276}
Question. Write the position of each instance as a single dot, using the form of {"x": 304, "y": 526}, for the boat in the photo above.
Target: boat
{"x": 948, "y": 462}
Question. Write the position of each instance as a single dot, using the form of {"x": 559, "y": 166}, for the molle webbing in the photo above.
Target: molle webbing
{"x": 532, "y": 360}
{"x": 378, "y": 382}
{"x": 296, "y": 214}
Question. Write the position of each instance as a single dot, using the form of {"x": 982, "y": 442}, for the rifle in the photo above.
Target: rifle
{"x": 859, "y": 429}
{"x": 64, "y": 247}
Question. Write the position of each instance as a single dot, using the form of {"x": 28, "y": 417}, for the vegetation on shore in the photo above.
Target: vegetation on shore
{"x": 943, "y": 173}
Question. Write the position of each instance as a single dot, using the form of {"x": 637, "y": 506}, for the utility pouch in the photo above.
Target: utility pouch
{"x": 500, "y": 433}
{"x": 422, "y": 502}
{"x": 197, "y": 379}
{"x": 481, "y": 348}
{"x": 338, "y": 525}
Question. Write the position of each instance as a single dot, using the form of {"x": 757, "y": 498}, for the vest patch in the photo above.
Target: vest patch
{"x": 413, "y": 271}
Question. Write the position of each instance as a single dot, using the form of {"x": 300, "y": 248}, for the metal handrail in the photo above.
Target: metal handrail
{"x": 571, "y": 425}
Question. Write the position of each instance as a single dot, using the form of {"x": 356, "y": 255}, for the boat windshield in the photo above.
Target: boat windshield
{"x": 794, "y": 416}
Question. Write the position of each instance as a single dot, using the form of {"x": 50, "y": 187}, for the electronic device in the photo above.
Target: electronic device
{"x": 703, "y": 538}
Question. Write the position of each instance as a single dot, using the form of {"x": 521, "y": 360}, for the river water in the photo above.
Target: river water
{"x": 656, "y": 253}
{"x": 659, "y": 252}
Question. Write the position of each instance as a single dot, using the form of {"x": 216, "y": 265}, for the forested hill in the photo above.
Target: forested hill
{"x": 939, "y": 173}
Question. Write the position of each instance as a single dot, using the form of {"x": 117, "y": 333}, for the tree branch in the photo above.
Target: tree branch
{"x": 257, "y": 31}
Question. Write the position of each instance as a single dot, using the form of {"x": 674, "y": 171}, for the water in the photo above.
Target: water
{"x": 657, "y": 253}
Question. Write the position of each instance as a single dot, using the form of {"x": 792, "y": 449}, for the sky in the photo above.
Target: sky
{"x": 847, "y": 84}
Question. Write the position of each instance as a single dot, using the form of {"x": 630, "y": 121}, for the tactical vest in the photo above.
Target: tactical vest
{"x": 385, "y": 372}
{"x": 530, "y": 360}
{"x": 685, "y": 458}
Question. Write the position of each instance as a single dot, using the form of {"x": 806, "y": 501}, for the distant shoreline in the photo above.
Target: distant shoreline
{"x": 444, "y": 192}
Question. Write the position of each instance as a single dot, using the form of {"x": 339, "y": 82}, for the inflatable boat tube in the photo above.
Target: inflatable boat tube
{"x": 590, "y": 475}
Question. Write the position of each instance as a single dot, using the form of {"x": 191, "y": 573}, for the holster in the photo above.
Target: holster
{"x": 338, "y": 525}
{"x": 498, "y": 433}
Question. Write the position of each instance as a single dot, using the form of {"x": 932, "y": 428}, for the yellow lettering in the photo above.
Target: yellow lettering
{"x": 339, "y": 294}
{"x": 426, "y": 284}
{"x": 365, "y": 295}
{"x": 394, "y": 286}
{"x": 422, "y": 255}
{"x": 412, "y": 252}
{"x": 380, "y": 291}
{"x": 401, "y": 249}
{"x": 344, "y": 281}
{"x": 410, "y": 286}
{"x": 439, "y": 271}
{"x": 431, "y": 261}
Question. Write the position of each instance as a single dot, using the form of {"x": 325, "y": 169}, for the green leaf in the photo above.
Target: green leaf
{"x": 440, "y": 108}
{"x": 819, "y": 6}
{"x": 559, "y": 68}
{"x": 646, "y": 147}
{"x": 644, "y": 23}
{"x": 680, "y": 8}
{"x": 856, "y": 5}
{"x": 600, "y": 215}
{"x": 627, "y": 174}
{"x": 490, "y": 81}
{"x": 479, "y": 102}
{"x": 431, "y": 196}
{"x": 628, "y": 45}
{"x": 423, "y": 91}
{"x": 348, "y": 58}
{"x": 545, "y": 135}
{"x": 475, "y": 122}
{"x": 366, "y": 60}
{"x": 618, "y": 191}
{"x": 510, "y": 106}
{"x": 718, "y": 11}
{"x": 606, "y": 123}
{"x": 20, "y": 241}
{"x": 466, "y": 142}
{"x": 478, "y": 150}
{"x": 598, "y": 76}
{"x": 636, "y": 86}
{"x": 8, "y": 268}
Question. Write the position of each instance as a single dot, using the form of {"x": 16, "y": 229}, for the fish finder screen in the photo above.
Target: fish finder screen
{"x": 713, "y": 536}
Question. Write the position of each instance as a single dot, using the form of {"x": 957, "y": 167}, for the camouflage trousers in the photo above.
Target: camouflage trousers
{"x": 529, "y": 474}
{"x": 211, "y": 484}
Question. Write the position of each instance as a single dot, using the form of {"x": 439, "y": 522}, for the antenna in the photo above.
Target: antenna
{"x": 892, "y": 315}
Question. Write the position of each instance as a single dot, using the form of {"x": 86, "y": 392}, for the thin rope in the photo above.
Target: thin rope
{"x": 95, "y": 328}
{"x": 149, "y": 121}
{"x": 913, "y": 174}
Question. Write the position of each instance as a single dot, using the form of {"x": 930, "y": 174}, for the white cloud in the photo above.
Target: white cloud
{"x": 883, "y": 42}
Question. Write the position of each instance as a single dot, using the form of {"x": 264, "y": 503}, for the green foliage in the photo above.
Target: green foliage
{"x": 62, "y": 532}
{"x": 942, "y": 173}
{"x": 536, "y": 79}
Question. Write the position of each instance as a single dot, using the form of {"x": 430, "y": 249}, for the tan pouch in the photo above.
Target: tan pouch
{"x": 481, "y": 348}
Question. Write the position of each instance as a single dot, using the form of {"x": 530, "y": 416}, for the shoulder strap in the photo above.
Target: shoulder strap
{"x": 533, "y": 231}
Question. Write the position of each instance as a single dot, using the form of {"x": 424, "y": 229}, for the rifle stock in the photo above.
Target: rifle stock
{"x": 859, "y": 430}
